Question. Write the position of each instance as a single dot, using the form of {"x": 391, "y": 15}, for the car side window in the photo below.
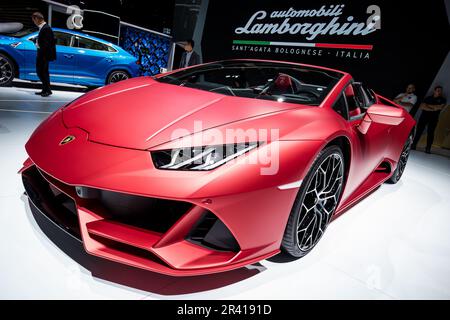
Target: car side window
{"x": 359, "y": 96}
{"x": 370, "y": 95}
{"x": 364, "y": 95}
{"x": 86, "y": 43}
{"x": 355, "y": 102}
{"x": 63, "y": 39}
{"x": 340, "y": 106}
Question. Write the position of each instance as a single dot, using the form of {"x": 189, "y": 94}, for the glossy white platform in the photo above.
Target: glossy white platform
{"x": 395, "y": 244}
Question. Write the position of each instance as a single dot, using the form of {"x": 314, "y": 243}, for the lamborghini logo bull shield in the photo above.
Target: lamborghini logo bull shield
{"x": 67, "y": 140}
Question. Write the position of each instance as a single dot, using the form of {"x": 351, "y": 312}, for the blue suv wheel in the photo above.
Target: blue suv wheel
{"x": 7, "y": 70}
{"x": 117, "y": 76}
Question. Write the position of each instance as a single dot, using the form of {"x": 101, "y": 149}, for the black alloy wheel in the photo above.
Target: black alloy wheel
{"x": 316, "y": 203}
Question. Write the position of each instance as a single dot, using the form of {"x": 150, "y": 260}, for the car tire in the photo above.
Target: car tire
{"x": 311, "y": 213}
{"x": 398, "y": 172}
{"x": 116, "y": 76}
{"x": 7, "y": 70}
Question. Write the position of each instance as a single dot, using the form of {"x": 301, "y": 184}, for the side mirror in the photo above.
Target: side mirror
{"x": 382, "y": 114}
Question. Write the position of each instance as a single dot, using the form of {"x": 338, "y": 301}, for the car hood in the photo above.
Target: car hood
{"x": 7, "y": 40}
{"x": 141, "y": 113}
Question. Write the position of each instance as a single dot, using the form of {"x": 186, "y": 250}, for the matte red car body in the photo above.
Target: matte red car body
{"x": 115, "y": 127}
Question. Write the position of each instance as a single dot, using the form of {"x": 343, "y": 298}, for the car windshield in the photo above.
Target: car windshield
{"x": 282, "y": 82}
{"x": 22, "y": 33}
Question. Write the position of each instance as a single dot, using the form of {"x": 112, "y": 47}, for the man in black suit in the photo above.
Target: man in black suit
{"x": 46, "y": 52}
{"x": 189, "y": 57}
{"x": 431, "y": 109}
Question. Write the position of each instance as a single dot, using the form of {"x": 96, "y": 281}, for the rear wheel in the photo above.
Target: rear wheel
{"x": 117, "y": 76}
{"x": 402, "y": 161}
{"x": 7, "y": 70}
{"x": 316, "y": 203}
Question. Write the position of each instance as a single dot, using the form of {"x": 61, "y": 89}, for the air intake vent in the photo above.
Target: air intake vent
{"x": 384, "y": 167}
{"x": 147, "y": 213}
{"x": 50, "y": 201}
{"x": 213, "y": 233}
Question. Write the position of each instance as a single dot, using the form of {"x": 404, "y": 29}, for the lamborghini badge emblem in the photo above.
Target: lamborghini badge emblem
{"x": 67, "y": 140}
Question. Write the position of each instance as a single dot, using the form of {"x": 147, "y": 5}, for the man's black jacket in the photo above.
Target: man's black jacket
{"x": 47, "y": 45}
{"x": 194, "y": 60}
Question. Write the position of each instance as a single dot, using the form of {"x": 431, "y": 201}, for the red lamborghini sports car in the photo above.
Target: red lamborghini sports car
{"x": 213, "y": 167}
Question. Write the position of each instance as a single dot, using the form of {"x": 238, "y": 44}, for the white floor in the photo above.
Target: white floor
{"x": 393, "y": 245}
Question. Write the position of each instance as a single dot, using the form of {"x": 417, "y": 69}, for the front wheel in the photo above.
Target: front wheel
{"x": 7, "y": 71}
{"x": 315, "y": 203}
{"x": 402, "y": 161}
{"x": 117, "y": 76}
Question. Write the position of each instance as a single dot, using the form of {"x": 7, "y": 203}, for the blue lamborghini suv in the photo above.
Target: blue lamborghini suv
{"x": 80, "y": 59}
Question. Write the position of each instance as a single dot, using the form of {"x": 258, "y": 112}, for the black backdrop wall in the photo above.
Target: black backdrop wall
{"x": 155, "y": 15}
{"x": 20, "y": 11}
{"x": 410, "y": 45}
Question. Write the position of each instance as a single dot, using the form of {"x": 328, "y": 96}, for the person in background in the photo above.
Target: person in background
{"x": 189, "y": 57}
{"x": 407, "y": 99}
{"x": 431, "y": 108}
{"x": 46, "y": 52}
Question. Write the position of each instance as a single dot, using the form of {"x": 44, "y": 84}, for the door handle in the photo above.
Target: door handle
{"x": 109, "y": 59}
{"x": 68, "y": 56}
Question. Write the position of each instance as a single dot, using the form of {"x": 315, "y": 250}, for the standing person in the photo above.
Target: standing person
{"x": 46, "y": 52}
{"x": 189, "y": 57}
{"x": 431, "y": 108}
{"x": 407, "y": 99}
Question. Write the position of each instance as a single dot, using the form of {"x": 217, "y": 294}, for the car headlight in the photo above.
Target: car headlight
{"x": 200, "y": 158}
{"x": 15, "y": 44}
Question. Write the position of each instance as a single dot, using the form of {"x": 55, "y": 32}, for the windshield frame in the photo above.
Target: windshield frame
{"x": 182, "y": 78}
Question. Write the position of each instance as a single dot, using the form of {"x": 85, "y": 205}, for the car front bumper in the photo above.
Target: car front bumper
{"x": 248, "y": 211}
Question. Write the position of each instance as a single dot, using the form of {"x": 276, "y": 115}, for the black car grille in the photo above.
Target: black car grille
{"x": 152, "y": 214}
{"x": 56, "y": 201}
